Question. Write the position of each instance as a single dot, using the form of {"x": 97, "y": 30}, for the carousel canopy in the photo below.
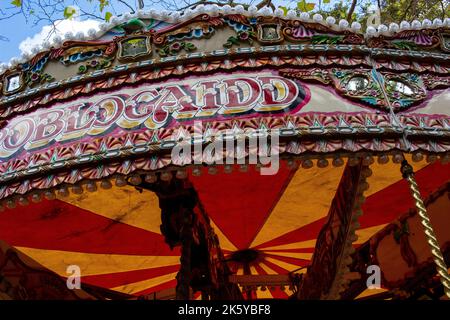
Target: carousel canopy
{"x": 100, "y": 166}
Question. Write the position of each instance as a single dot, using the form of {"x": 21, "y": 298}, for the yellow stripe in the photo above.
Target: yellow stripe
{"x": 295, "y": 245}
{"x": 285, "y": 265}
{"x": 125, "y": 204}
{"x": 131, "y": 288}
{"x": 267, "y": 269}
{"x": 370, "y": 292}
{"x": 366, "y": 233}
{"x": 263, "y": 294}
{"x": 384, "y": 175}
{"x": 305, "y": 200}
{"x": 94, "y": 264}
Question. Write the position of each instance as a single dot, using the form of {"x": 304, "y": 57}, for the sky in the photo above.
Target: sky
{"x": 18, "y": 35}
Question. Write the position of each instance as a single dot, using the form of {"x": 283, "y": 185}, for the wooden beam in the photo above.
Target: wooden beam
{"x": 328, "y": 271}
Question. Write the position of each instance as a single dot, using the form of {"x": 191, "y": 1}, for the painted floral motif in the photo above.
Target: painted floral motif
{"x": 175, "y": 47}
{"x": 242, "y": 36}
{"x": 34, "y": 77}
{"x": 94, "y": 64}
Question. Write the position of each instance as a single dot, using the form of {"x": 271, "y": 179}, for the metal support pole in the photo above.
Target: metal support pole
{"x": 408, "y": 174}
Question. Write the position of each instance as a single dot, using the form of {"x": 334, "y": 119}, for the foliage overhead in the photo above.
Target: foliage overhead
{"x": 48, "y": 11}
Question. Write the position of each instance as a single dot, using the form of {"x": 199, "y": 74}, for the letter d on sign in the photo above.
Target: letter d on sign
{"x": 374, "y": 281}
{"x": 74, "y": 280}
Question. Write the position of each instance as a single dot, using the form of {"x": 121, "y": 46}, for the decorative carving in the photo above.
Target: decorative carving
{"x": 445, "y": 41}
{"x": 175, "y": 47}
{"x": 242, "y": 36}
{"x": 94, "y": 64}
{"x": 13, "y": 83}
{"x": 134, "y": 47}
{"x": 35, "y": 77}
{"x": 269, "y": 33}
{"x": 408, "y": 40}
{"x": 318, "y": 34}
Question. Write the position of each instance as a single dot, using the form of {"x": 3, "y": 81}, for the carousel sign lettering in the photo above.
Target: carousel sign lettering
{"x": 152, "y": 107}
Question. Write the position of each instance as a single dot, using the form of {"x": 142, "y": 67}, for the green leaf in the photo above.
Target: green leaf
{"x": 310, "y": 6}
{"x": 17, "y": 3}
{"x": 108, "y": 16}
{"x": 285, "y": 10}
{"x": 304, "y": 6}
{"x": 103, "y": 4}
{"x": 69, "y": 12}
{"x": 326, "y": 1}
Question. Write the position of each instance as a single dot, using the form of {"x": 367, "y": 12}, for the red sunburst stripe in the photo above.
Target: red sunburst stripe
{"x": 275, "y": 267}
{"x": 307, "y": 232}
{"x": 388, "y": 204}
{"x": 224, "y": 201}
{"x": 57, "y": 225}
{"x": 112, "y": 280}
{"x": 277, "y": 293}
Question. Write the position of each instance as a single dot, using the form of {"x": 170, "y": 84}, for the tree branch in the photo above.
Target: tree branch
{"x": 131, "y": 8}
{"x": 352, "y": 9}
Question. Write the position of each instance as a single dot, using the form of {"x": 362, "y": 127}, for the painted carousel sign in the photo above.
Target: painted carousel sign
{"x": 153, "y": 107}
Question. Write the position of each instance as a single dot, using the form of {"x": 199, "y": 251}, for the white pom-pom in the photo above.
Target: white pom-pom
{"x": 343, "y": 24}
{"x": 426, "y": 23}
{"x": 174, "y": 16}
{"x": 114, "y": 20}
{"x": 416, "y": 24}
{"x": 140, "y": 13}
{"x": 46, "y": 44}
{"x": 35, "y": 49}
{"x": 437, "y": 22}
{"x": 127, "y": 16}
{"x": 371, "y": 31}
{"x": 265, "y": 11}
{"x": 279, "y": 13}
{"x": 92, "y": 32}
{"x": 188, "y": 13}
{"x": 69, "y": 35}
{"x": 200, "y": 8}
{"x": 227, "y": 9}
{"x": 152, "y": 13}
{"x": 331, "y": 21}
{"x": 26, "y": 55}
{"x": 291, "y": 14}
{"x": 356, "y": 26}
{"x": 79, "y": 35}
{"x": 404, "y": 25}
{"x": 317, "y": 18}
{"x": 304, "y": 16}
{"x": 57, "y": 40}
{"x": 239, "y": 8}
{"x": 382, "y": 28}
{"x": 393, "y": 27}
{"x": 252, "y": 10}
{"x": 13, "y": 61}
{"x": 447, "y": 22}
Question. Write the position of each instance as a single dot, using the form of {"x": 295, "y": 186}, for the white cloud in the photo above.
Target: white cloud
{"x": 62, "y": 27}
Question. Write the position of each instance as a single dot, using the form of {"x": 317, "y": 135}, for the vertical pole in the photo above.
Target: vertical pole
{"x": 408, "y": 174}
{"x": 184, "y": 275}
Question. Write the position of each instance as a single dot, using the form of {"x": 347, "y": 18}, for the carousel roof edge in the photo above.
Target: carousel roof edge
{"x": 177, "y": 17}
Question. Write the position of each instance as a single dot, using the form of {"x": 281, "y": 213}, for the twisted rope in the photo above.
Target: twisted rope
{"x": 408, "y": 174}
